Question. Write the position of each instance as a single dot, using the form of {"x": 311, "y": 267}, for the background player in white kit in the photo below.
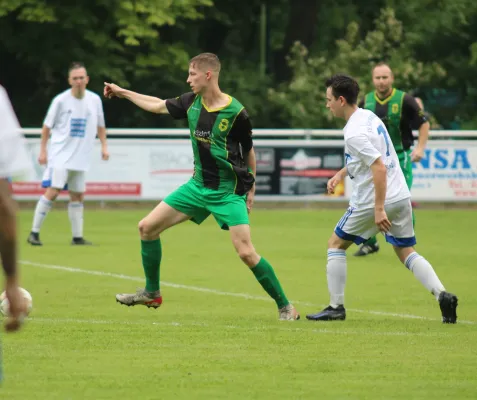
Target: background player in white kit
{"x": 380, "y": 201}
{"x": 14, "y": 161}
{"x": 74, "y": 119}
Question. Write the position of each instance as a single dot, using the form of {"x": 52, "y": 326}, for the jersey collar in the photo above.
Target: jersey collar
{"x": 216, "y": 109}
{"x": 386, "y": 100}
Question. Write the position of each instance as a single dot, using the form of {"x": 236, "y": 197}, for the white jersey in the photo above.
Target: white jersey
{"x": 366, "y": 139}
{"x": 74, "y": 125}
{"x": 14, "y": 157}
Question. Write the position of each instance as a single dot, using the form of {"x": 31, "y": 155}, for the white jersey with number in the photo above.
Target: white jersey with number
{"x": 74, "y": 125}
{"x": 14, "y": 157}
{"x": 367, "y": 139}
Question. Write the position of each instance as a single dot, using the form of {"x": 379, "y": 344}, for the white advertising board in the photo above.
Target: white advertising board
{"x": 448, "y": 172}
{"x": 149, "y": 169}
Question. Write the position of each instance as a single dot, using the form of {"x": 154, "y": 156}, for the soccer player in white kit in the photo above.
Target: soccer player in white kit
{"x": 14, "y": 161}
{"x": 380, "y": 202}
{"x": 74, "y": 119}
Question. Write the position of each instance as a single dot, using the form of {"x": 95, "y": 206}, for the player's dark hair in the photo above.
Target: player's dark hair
{"x": 75, "y": 65}
{"x": 206, "y": 61}
{"x": 344, "y": 85}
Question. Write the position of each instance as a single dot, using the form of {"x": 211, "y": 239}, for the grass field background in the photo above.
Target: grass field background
{"x": 217, "y": 335}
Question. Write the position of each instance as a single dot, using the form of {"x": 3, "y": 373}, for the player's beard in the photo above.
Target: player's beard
{"x": 382, "y": 93}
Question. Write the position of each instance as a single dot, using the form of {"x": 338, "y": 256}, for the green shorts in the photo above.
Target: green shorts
{"x": 199, "y": 202}
{"x": 406, "y": 166}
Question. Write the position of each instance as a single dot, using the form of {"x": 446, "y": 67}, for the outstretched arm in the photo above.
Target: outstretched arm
{"x": 148, "y": 103}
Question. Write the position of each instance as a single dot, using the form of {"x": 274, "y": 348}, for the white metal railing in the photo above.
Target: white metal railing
{"x": 262, "y": 133}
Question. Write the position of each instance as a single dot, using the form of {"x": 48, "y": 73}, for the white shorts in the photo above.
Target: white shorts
{"x": 14, "y": 157}
{"x": 65, "y": 179}
{"x": 358, "y": 225}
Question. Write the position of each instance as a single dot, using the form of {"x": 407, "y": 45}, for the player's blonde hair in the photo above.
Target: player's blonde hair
{"x": 206, "y": 61}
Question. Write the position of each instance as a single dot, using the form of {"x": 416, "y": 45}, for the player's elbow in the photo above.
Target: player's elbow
{"x": 160, "y": 107}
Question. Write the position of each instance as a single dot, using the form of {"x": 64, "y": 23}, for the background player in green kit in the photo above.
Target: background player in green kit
{"x": 223, "y": 183}
{"x": 400, "y": 113}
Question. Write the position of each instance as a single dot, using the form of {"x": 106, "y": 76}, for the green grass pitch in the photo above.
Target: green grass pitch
{"x": 217, "y": 335}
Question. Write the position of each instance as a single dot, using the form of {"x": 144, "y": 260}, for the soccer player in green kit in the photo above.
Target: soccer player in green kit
{"x": 400, "y": 113}
{"x": 223, "y": 182}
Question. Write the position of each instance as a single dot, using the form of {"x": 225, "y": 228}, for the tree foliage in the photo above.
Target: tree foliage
{"x": 146, "y": 44}
{"x": 118, "y": 40}
{"x": 304, "y": 95}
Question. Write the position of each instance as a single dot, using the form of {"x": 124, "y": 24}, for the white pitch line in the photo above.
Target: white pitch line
{"x": 99, "y": 321}
{"x": 135, "y": 278}
{"x": 249, "y": 329}
{"x": 219, "y": 292}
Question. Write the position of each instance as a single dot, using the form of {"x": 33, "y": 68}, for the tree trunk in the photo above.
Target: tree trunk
{"x": 301, "y": 27}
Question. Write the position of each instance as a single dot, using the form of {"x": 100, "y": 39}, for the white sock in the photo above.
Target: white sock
{"x": 75, "y": 212}
{"x": 42, "y": 209}
{"x": 424, "y": 273}
{"x": 336, "y": 274}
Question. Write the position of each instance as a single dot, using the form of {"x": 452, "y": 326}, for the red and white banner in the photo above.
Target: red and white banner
{"x": 21, "y": 189}
{"x": 137, "y": 170}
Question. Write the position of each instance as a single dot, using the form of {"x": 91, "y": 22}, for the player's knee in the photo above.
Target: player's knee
{"x": 248, "y": 258}
{"x": 248, "y": 255}
{"x": 403, "y": 252}
{"x": 332, "y": 242}
{"x": 52, "y": 193}
{"x": 335, "y": 242}
{"x": 143, "y": 227}
{"x": 77, "y": 197}
{"x": 147, "y": 230}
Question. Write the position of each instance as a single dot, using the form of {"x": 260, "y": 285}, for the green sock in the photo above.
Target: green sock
{"x": 372, "y": 240}
{"x": 265, "y": 275}
{"x": 151, "y": 253}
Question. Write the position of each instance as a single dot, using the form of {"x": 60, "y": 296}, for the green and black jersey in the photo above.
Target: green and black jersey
{"x": 400, "y": 113}
{"x": 220, "y": 139}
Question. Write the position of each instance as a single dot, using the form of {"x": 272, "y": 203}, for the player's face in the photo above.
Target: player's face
{"x": 383, "y": 79}
{"x": 78, "y": 79}
{"x": 198, "y": 79}
{"x": 335, "y": 105}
